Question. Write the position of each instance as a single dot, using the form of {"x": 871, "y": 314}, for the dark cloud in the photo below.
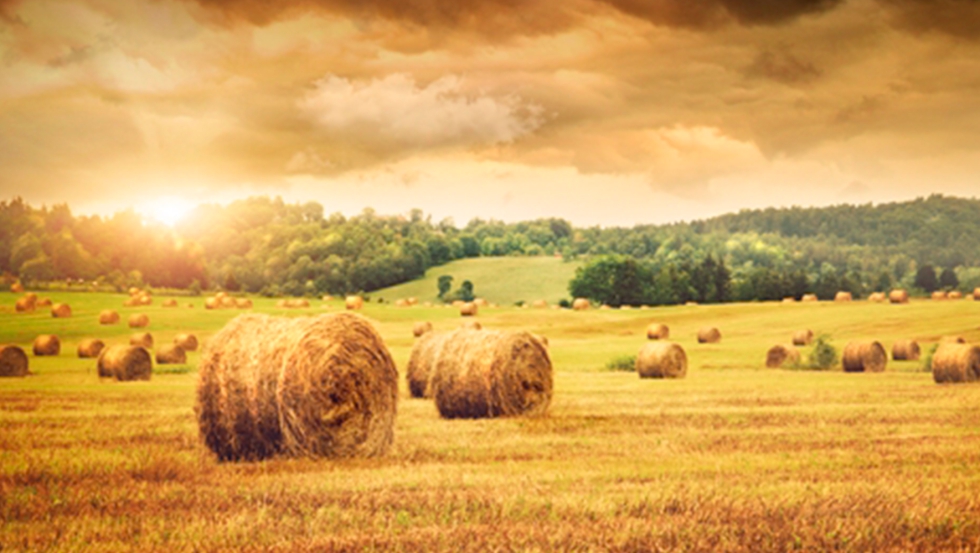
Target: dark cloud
{"x": 783, "y": 66}
{"x": 684, "y": 13}
{"x": 960, "y": 18}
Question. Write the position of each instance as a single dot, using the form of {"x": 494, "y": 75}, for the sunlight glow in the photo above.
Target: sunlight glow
{"x": 168, "y": 210}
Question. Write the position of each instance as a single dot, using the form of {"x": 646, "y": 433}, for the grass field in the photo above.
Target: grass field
{"x": 734, "y": 457}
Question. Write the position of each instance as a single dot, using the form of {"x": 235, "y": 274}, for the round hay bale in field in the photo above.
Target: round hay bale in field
{"x": 843, "y": 296}
{"x": 691, "y": 304}
{"x": 131, "y": 302}
{"x": 580, "y": 304}
{"x": 976, "y": 294}
{"x": 421, "y": 328}
{"x": 658, "y": 331}
{"x": 491, "y": 374}
{"x": 803, "y": 337}
{"x": 780, "y": 354}
{"x": 401, "y": 303}
{"x": 328, "y": 297}
{"x": 661, "y": 360}
{"x": 17, "y": 288}
{"x": 877, "y": 297}
{"x": 133, "y": 291}
{"x": 864, "y": 357}
{"x": 214, "y": 303}
{"x": 13, "y": 361}
{"x": 952, "y": 340}
{"x": 953, "y": 363}
{"x": 468, "y": 309}
{"x": 139, "y": 320}
{"x": 187, "y": 342}
{"x": 709, "y": 335}
{"x": 282, "y": 304}
{"x": 145, "y": 299}
{"x": 789, "y": 299}
{"x": 243, "y": 303}
{"x": 108, "y": 317}
{"x": 170, "y": 302}
{"x": 90, "y": 347}
{"x": 31, "y": 297}
{"x": 809, "y": 298}
{"x": 125, "y": 363}
{"x": 353, "y": 303}
{"x": 471, "y": 324}
{"x": 220, "y": 296}
{"x": 141, "y": 339}
{"x": 171, "y": 354}
{"x": 227, "y": 302}
{"x": 604, "y": 306}
{"x": 419, "y": 370}
{"x": 480, "y": 302}
{"x": 539, "y": 304}
{"x": 955, "y": 295}
{"x": 906, "y": 350}
{"x": 61, "y": 311}
{"x": 24, "y": 305}
{"x": 322, "y": 386}
{"x": 898, "y": 296}
{"x": 412, "y": 301}
{"x": 44, "y": 302}
{"x": 47, "y": 344}
{"x": 939, "y": 295}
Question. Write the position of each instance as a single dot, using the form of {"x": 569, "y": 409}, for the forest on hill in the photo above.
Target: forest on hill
{"x": 264, "y": 245}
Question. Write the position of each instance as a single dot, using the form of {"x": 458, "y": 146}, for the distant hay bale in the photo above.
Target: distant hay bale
{"x": 44, "y": 302}
{"x": 471, "y": 324}
{"x": 976, "y": 294}
{"x": 421, "y": 328}
{"x": 47, "y": 344}
{"x": 898, "y": 296}
{"x": 604, "y": 306}
{"x": 220, "y": 296}
{"x": 108, "y": 317}
{"x": 353, "y": 303}
{"x": 322, "y": 386}
{"x": 61, "y": 311}
{"x": 780, "y": 354}
{"x": 843, "y": 296}
{"x": 864, "y": 357}
{"x": 658, "y": 331}
{"x": 139, "y": 320}
{"x": 282, "y": 303}
{"x": 90, "y": 347}
{"x": 877, "y": 297}
{"x": 13, "y": 361}
{"x": 187, "y": 342}
{"x": 401, "y": 303}
{"x": 803, "y": 337}
{"x": 24, "y": 305}
{"x": 412, "y": 301}
{"x": 580, "y": 304}
{"x": 131, "y": 302}
{"x": 789, "y": 299}
{"x": 214, "y": 303}
{"x": 133, "y": 291}
{"x": 491, "y": 374}
{"x": 145, "y": 299}
{"x": 955, "y": 295}
{"x": 171, "y": 354}
{"x": 125, "y": 363}
{"x": 31, "y": 297}
{"x": 939, "y": 295}
{"x": 169, "y": 303}
{"x": 709, "y": 335}
{"x": 952, "y": 363}
{"x": 468, "y": 309}
{"x": 661, "y": 360}
{"x": 809, "y": 298}
{"x": 243, "y": 303}
{"x": 906, "y": 350}
{"x": 952, "y": 340}
{"x": 539, "y": 304}
{"x": 328, "y": 297}
{"x": 226, "y": 302}
{"x": 16, "y": 288}
{"x": 419, "y": 370}
{"x": 141, "y": 339}
{"x": 480, "y": 302}
{"x": 691, "y": 303}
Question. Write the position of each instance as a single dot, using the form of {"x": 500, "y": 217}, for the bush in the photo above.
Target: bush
{"x": 823, "y": 356}
{"x": 927, "y": 361}
{"x": 622, "y": 363}
{"x": 565, "y": 304}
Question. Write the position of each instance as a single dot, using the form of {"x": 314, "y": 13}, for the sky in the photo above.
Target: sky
{"x": 608, "y": 112}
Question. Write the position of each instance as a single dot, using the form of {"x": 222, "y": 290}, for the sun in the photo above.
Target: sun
{"x": 168, "y": 210}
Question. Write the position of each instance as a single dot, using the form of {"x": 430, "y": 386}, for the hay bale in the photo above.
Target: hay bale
{"x": 187, "y": 342}
{"x": 353, "y": 303}
{"x": 539, "y": 304}
{"x": 468, "y": 309}
{"x": 321, "y": 386}
{"x": 243, "y": 303}
{"x": 542, "y": 339}
{"x": 108, "y": 317}
{"x": 24, "y": 305}
{"x": 789, "y": 299}
{"x": 61, "y": 311}
{"x": 44, "y": 302}
{"x": 13, "y": 361}
{"x": 952, "y": 340}
{"x": 220, "y": 296}
{"x": 145, "y": 299}
{"x": 906, "y": 350}
{"x": 141, "y": 339}
{"x": 955, "y": 295}
{"x": 282, "y": 304}
{"x": 877, "y": 297}
{"x": 170, "y": 302}
{"x": 709, "y": 335}
{"x": 604, "y": 306}
{"x": 131, "y": 302}
{"x": 803, "y": 337}
{"x": 133, "y": 291}
{"x": 401, "y": 303}
{"x": 580, "y": 304}
{"x": 125, "y": 363}
{"x": 661, "y": 360}
{"x": 491, "y": 374}
{"x": 226, "y": 303}
{"x": 864, "y": 357}
{"x": 843, "y": 296}
{"x": 953, "y": 363}
{"x": 976, "y": 294}
{"x": 171, "y": 354}
{"x": 214, "y": 303}
{"x": 780, "y": 354}
{"x": 809, "y": 298}
{"x": 139, "y": 320}
{"x": 412, "y": 301}
{"x": 419, "y": 370}
{"x": 480, "y": 302}
{"x": 938, "y": 295}
{"x": 898, "y": 296}
{"x": 328, "y": 297}
{"x": 658, "y": 331}
{"x": 47, "y": 344}
{"x": 17, "y": 288}
{"x": 90, "y": 347}
{"x": 471, "y": 324}
{"x": 421, "y": 328}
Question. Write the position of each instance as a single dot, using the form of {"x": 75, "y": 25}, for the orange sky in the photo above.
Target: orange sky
{"x": 601, "y": 111}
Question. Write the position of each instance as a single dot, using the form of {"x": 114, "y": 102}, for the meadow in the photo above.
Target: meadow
{"x": 734, "y": 457}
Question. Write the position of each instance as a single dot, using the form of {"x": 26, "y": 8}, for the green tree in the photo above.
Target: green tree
{"x": 613, "y": 280}
{"x": 445, "y": 284}
{"x": 465, "y": 291}
{"x": 948, "y": 279}
{"x": 925, "y": 278}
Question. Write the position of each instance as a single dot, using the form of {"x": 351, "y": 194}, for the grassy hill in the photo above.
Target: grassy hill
{"x": 502, "y": 280}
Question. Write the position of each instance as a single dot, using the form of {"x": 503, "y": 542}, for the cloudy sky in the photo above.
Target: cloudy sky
{"x": 609, "y": 112}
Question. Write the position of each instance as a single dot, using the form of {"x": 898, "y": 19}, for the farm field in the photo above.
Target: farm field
{"x": 734, "y": 457}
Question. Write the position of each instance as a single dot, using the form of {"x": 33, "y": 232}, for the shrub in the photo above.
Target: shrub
{"x": 823, "y": 356}
{"x": 622, "y": 363}
{"x": 927, "y": 361}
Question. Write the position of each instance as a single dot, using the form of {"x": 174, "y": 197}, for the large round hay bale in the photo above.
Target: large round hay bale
{"x": 661, "y": 360}
{"x": 580, "y": 304}
{"x": 169, "y": 302}
{"x": 220, "y": 296}
{"x": 17, "y": 288}
{"x": 843, "y": 296}
{"x": 321, "y": 386}
{"x": 789, "y": 299}
{"x": 780, "y": 354}
{"x": 468, "y": 309}
{"x": 47, "y": 344}
{"x": 906, "y": 350}
{"x": 491, "y": 374}
{"x": 939, "y": 295}
{"x": 353, "y": 303}
{"x": 401, "y": 303}
{"x": 421, "y": 328}
{"x": 709, "y": 335}
{"x": 898, "y": 295}
{"x": 44, "y": 302}
{"x": 955, "y": 295}
{"x": 108, "y": 317}
{"x": 171, "y": 354}
{"x": 864, "y": 357}
{"x": 187, "y": 342}
{"x": 539, "y": 304}
{"x": 90, "y": 347}
{"x": 139, "y": 320}
{"x": 13, "y": 361}
{"x": 658, "y": 331}
{"x": 956, "y": 363}
{"x": 412, "y": 301}
{"x": 471, "y": 324}
{"x": 877, "y": 297}
{"x": 243, "y": 303}
{"x": 809, "y": 298}
{"x": 141, "y": 339}
{"x": 214, "y": 303}
{"x": 24, "y": 305}
{"x": 421, "y": 362}
{"x": 125, "y": 363}
{"x": 803, "y": 337}
{"x": 976, "y": 294}
{"x": 61, "y": 311}
{"x": 145, "y": 299}
{"x": 226, "y": 302}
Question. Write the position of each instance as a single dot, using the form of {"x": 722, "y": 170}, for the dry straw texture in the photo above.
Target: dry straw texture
{"x": 709, "y": 335}
{"x": 47, "y": 344}
{"x": 227, "y": 302}
{"x": 125, "y": 363}
{"x": 580, "y": 304}
{"x": 323, "y": 386}
{"x": 898, "y": 296}
{"x": 864, "y": 357}
{"x": 61, "y": 311}
{"x": 471, "y": 324}
{"x": 24, "y": 305}
{"x": 13, "y": 361}
{"x": 956, "y": 363}
{"x": 187, "y": 342}
{"x": 539, "y": 304}
{"x": 468, "y": 309}
{"x": 244, "y": 303}
{"x": 169, "y": 303}
{"x": 421, "y": 328}
{"x": 809, "y": 297}
{"x": 353, "y": 302}
{"x": 17, "y": 288}
{"x": 877, "y": 297}
{"x": 780, "y": 354}
{"x": 481, "y": 302}
{"x": 90, "y": 348}
{"x": 661, "y": 360}
{"x": 803, "y": 337}
{"x": 419, "y": 370}
{"x": 142, "y": 339}
{"x": 171, "y": 354}
{"x": 906, "y": 350}
{"x": 843, "y": 296}
{"x": 491, "y": 374}
{"x": 789, "y": 300}
{"x": 658, "y": 331}
{"x": 108, "y": 317}
{"x": 139, "y": 320}
{"x": 401, "y": 303}
{"x": 214, "y": 303}
{"x": 939, "y": 295}
{"x": 976, "y": 294}
{"x": 955, "y": 295}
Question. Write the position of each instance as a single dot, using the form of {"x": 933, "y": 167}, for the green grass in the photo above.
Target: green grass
{"x": 734, "y": 457}
{"x": 504, "y": 280}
